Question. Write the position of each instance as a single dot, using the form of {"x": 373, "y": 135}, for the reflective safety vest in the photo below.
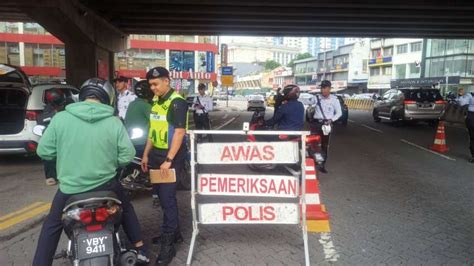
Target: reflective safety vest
{"x": 159, "y": 127}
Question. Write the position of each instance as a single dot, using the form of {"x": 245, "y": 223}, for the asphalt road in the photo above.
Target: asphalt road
{"x": 390, "y": 201}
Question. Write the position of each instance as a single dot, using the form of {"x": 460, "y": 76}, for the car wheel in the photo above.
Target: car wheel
{"x": 376, "y": 117}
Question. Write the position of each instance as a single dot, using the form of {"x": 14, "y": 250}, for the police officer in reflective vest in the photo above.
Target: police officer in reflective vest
{"x": 166, "y": 149}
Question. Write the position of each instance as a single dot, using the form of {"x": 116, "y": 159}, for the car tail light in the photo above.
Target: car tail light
{"x": 440, "y": 102}
{"x": 313, "y": 138}
{"x": 31, "y": 146}
{"x": 85, "y": 216}
{"x": 32, "y": 115}
{"x": 101, "y": 214}
{"x": 409, "y": 102}
{"x": 94, "y": 227}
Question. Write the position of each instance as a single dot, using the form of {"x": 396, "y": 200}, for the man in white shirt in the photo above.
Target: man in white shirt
{"x": 327, "y": 110}
{"x": 202, "y": 105}
{"x": 124, "y": 96}
{"x": 466, "y": 100}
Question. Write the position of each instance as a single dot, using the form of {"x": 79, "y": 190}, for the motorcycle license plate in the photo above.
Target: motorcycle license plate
{"x": 95, "y": 244}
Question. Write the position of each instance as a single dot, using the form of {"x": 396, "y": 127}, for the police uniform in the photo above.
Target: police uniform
{"x": 167, "y": 114}
{"x": 328, "y": 109}
{"x": 470, "y": 123}
{"x": 201, "y": 116}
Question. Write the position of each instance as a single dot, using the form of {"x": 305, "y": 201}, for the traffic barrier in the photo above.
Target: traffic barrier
{"x": 359, "y": 104}
{"x": 439, "y": 144}
{"x": 307, "y": 209}
{"x": 317, "y": 218}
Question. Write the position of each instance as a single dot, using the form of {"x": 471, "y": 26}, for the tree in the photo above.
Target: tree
{"x": 271, "y": 64}
{"x": 299, "y": 57}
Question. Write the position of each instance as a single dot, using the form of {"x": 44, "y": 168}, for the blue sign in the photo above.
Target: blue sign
{"x": 209, "y": 61}
{"x": 227, "y": 71}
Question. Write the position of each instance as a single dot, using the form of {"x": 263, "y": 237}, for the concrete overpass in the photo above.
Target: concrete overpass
{"x": 92, "y": 30}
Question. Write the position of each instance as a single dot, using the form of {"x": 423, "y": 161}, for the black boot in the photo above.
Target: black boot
{"x": 178, "y": 238}
{"x": 167, "y": 250}
{"x": 322, "y": 168}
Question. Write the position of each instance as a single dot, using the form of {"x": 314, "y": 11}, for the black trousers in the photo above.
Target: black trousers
{"x": 53, "y": 226}
{"x": 470, "y": 128}
{"x": 167, "y": 192}
{"x": 202, "y": 121}
{"x": 50, "y": 169}
{"x": 316, "y": 128}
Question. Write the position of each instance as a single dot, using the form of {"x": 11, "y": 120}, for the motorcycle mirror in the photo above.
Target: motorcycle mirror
{"x": 38, "y": 130}
{"x": 136, "y": 133}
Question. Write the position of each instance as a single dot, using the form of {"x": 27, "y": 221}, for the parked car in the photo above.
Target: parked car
{"x": 409, "y": 104}
{"x": 256, "y": 102}
{"x": 20, "y": 105}
{"x": 368, "y": 96}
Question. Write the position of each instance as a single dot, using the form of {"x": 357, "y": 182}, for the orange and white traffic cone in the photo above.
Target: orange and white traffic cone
{"x": 439, "y": 144}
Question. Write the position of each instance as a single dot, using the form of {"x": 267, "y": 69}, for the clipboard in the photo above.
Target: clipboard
{"x": 158, "y": 176}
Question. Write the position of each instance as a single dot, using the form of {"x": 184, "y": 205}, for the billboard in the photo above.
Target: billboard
{"x": 176, "y": 60}
{"x": 188, "y": 61}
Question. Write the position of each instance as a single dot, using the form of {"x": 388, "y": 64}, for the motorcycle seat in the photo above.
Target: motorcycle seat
{"x": 88, "y": 197}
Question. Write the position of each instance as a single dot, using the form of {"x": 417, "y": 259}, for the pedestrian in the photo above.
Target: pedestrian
{"x": 466, "y": 100}
{"x": 202, "y": 105}
{"x": 124, "y": 96}
{"x": 327, "y": 110}
{"x": 90, "y": 144}
{"x": 55, "y": 102}
{"x": 165, "y": 150}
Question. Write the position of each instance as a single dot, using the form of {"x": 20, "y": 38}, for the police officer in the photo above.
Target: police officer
{"x": 467, "y": 100}
{"x": 166, "y": 149}
{"x": 327, "y": 110}
{"x": 202, "y": 105}
{"x": 124, "y": 96}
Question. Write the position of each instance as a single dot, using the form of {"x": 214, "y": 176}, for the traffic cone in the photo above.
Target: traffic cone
{"x": 439, "y": 144}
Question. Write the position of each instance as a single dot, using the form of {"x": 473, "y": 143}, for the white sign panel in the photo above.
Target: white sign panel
{"x": 248, "y": 185}
{"x": 248, "y": 152}
{"x": 249, "y": 213}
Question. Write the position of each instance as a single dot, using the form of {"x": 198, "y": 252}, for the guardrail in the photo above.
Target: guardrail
{"x": 360, "y": 104}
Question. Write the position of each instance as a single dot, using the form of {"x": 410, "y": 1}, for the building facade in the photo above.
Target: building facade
{"x": 317, "y": 45}
{"x": 255, "y": 52}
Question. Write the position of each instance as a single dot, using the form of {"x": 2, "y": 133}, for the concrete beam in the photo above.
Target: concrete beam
{"x": 71, "y": 22}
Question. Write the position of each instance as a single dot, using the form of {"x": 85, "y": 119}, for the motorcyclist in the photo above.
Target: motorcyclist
{"x": 137, "y": 119}
{"x": 290, "y": 115}
{"x": 55, "y": 102}
{"x": 90, "y": 144}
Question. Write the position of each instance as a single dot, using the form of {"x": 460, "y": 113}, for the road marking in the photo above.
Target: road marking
{"x": 330, "y": 252}
{"x": 352, "y": 121}
{"x": 24, "y": 216}
{"x": 31, "y": 206}
{"x": 226, "y": 123}
{"x": 371, "y": 128}
{"x": 428, "y": 150}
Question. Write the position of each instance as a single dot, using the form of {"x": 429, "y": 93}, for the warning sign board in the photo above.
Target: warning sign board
{"x": 249, "y": 213}
{"x": 248, "y": 185}
{"x": 248, "y": 152}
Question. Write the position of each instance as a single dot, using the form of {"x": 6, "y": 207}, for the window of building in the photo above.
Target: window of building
{"x": 365, "y": 66}
{"x": 434, "y": 67}
{"x": 456, "y": 65}
{"x": 415, "y": 47}
{"x": 181, "y": 38}
{"x": 414, "y": 69}
{"x": 437, "y": 46}
{"x": 387, "y": 70}
{"x": 375, "y": 53}
{"x": 402, "y": 49}
{"x": 470, "y": 66}
{"x": 374, "y": 71}
{"x": 388, "y": 51}
{"x": 400, "y": 71}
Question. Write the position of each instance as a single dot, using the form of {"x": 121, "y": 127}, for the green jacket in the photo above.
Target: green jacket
{"x": 138, "y": 116}
{"x": 88, "y": 143}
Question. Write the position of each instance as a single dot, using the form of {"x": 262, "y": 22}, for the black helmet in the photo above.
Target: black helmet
{"x": 55, "y": 97}
{"x": 326, "y": 83}
{"x": 142, "y": 90}
{"x": 99, "y": 89}
{"x": 291, "y": 92}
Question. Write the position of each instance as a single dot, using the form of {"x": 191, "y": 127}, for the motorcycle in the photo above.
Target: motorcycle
{"x": 91, "y": 222}
{"x": 313, "y": 143}
{"x": 133, "y": 178}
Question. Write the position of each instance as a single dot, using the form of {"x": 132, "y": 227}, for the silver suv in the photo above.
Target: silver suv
{"x": 20, "y": 105}
{"x": 409, "y": 104}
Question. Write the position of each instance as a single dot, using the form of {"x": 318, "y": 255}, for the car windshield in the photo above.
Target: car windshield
{"x": 256, "y": 98}
{"x": 429, "y": 95}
